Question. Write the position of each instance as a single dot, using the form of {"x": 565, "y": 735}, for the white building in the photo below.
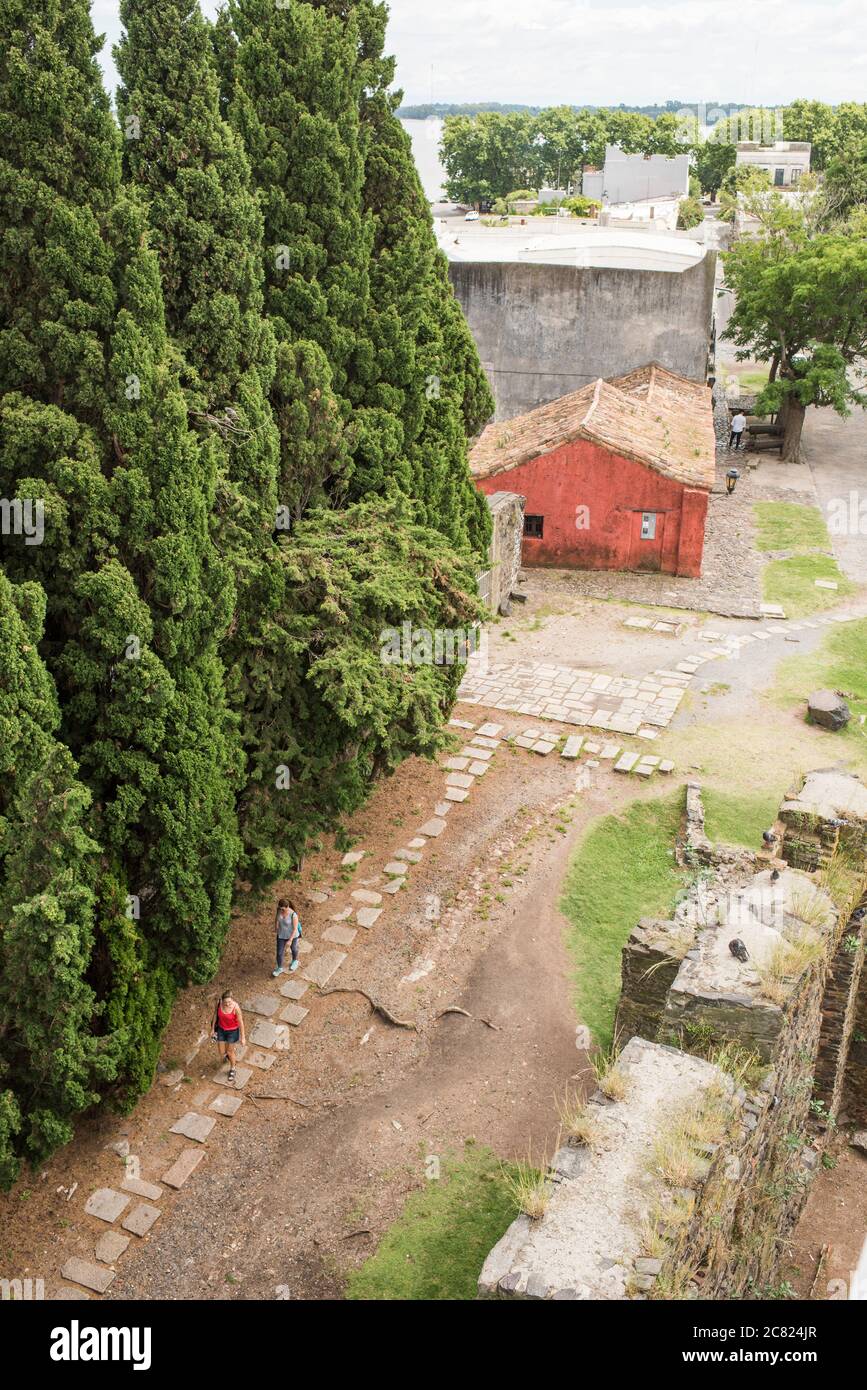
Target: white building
{"x": 632, "y": 178}
{"x": 787, "y": 161}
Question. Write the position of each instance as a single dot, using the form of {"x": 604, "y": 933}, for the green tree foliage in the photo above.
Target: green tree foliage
{"x": 689, "y": 214}
{"x": 95, "y": 426}
{"x": 802, "y": 306}
{"x": 49, "y": 1055}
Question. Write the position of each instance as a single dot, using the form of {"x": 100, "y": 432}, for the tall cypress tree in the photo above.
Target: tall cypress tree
{"x": 138, "y": 596}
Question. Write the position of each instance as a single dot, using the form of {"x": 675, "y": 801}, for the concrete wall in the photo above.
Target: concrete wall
{"x": 545, "y": 330}
{"x": 504, "y": 555}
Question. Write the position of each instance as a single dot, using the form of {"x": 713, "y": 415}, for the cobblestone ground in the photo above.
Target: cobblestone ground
{"x": 731, "y": 581}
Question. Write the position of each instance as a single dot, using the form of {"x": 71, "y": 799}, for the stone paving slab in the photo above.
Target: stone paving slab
{"x": 320, "y": 971}
{"x": 523, "y": 742}
{"x": 183, "y": 1167}
{"x": 442, "y": 809}
{"x": 433, "y": 828}
{"x": 106, "y": 1204}
{"x": 294, "y": 1014}
{"x": 342, "y": 915}
{"x": 317, "y": 896}
{"x": 418, "y": 842}
{"x": 391, "y": 888}
{"x": 110, "y": 1247}
{"x": 456, "y": 764}
{"x": 341, "y": 936}
{"x": 354, "y": 856}
{"x": 193, "y": 1126}
{"x": 368, "y": 916}
{"x": 264, "y": 1004}
{"x": 456, "y": 794}
{"x": 366, "y": 897}
{"x": 626, "y": 763}
{"x": 305, "y": 947}
{"x": 461, "y": 724}
{"x": 262, "y": 1061}
{"x": 396, "y": 867}
{"x": 459, "y": 779}
{"x": 141, "y": 1219}
{"x": 479, "y": 769}
{"x": 477, "y": 755}
{"x": 410, "y": 856}
{"x": 227, "y": 1104}
{"x": 140, "y": 1188}
{"x": 90, "y": 1275}
{"x": 490, "y": 730}
{"x": 172, "y": 1078}
{"x": 242, "y": 1076}
{"x": 202, "y": 1098}
{"x": 572, "y": 746}
{"x": 544, "y": 747}
{"x": 482, "y": 742}
{"x": 264, "y": 1034}
{"x": 294, "y": 988}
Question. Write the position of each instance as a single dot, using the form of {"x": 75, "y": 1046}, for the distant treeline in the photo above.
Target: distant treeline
{"x": 474, "y": 108}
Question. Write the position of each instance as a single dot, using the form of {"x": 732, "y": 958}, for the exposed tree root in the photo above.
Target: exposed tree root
{"x": 377, "y": 1007}
{"x": 453, "y": 1009}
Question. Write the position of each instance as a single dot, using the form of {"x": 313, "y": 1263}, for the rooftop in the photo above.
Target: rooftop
{"x": 652, "y": 415}
{"x": 565, "y": 243}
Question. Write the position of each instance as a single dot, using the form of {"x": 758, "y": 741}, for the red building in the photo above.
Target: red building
{"x": 616, "y": 475}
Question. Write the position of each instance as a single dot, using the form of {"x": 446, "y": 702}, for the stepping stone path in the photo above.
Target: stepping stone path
{"x": 226, "y": 1104}
{"x": 366, "y": 917}
{"x": 264, "y": 1004}
{"x": 320, "y": 971}
{"x": 91, "y": 1276}
{"x": 366, "y": 897}
{"x": 433, "y": 828}
{"x": 395, "y": 866}
{"x": 263, "y": 1061}
{"x": 142, "y": 1189}
{"x": 480, "y": 754}
{"x": 478, "y": 769}
{"x": 390, "y": 888}
{"x": 456, "y": 764}
{"x": 459, "y": 779}
{"x": 341, "y": 936}
{"x": 141, "y": 1218}
{"x": 106, "y": 1204}
{"x": 410, "y": 856}
{"x": 441, "y": 809}
{"x": 183, "y": 1167}
{"x": 242, "y": 1076}
{"x": 294, "y": 989}
{"x": 110, "y": 1247}
{"x": 294, "y": 1014}
{"x": 456, "y": 794}
{"x": 264, "y": 1034}
{"x": 193, "y": 1126}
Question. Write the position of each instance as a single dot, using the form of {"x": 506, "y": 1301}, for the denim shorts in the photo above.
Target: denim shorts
{"x": 228, "y": 1035}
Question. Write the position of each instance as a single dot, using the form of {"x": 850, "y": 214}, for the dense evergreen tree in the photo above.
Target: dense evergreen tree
{"x": 95, "y": 427}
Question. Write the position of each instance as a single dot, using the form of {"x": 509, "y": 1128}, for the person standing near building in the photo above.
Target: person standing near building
{"x": 739, "y": 424}
{"x": 288, "y": 925}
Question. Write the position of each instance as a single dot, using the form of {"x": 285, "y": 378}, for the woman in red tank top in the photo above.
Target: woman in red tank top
{"x": 228, "y": 1029}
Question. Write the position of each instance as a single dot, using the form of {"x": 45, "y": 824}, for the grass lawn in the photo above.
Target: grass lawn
{"x": 624, "y": 870}
{"x": 840, "y": 663}
{"x": 739, "y": 820}
{"x": 437, "y": 1246}
{"x": 792, "y": 583}
{"x": 789, "y": 526}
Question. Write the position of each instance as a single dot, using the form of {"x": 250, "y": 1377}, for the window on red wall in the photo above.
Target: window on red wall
{"x": 534, "y": 526}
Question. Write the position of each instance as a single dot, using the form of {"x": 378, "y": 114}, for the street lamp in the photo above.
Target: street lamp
{"x": 732, "y": 480}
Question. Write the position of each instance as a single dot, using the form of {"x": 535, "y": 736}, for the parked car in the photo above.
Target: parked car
{"x": 471, "y": 217}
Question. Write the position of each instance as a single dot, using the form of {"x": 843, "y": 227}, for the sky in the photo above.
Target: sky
{"x": 600, "y": 52}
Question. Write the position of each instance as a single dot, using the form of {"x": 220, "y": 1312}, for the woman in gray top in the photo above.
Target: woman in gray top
{"x": 288, "y": 925}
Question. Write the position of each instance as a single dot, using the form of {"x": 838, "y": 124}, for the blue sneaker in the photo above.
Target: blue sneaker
{"x": 278, "y": 971}
{"x": 294, "y": 965}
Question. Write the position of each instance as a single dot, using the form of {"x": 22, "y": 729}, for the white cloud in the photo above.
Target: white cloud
{"x": 606, "y": 51}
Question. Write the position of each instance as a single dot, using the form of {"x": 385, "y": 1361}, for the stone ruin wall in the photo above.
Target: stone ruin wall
{"x": 812, "y": 1069}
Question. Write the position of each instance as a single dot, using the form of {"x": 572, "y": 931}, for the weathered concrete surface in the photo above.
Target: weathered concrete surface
{"x": 545, "y": 330}
{"x": 590, "y": 1235}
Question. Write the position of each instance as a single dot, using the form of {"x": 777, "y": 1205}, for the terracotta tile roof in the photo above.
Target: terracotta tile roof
{"x": 652, "y": 415}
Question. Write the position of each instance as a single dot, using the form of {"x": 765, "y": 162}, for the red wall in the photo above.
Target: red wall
{"x": 614, "y": 490}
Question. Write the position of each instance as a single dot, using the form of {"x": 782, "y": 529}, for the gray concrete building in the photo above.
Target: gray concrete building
{"x": 559, "y": 316}
{"x": 787, "y": 161}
